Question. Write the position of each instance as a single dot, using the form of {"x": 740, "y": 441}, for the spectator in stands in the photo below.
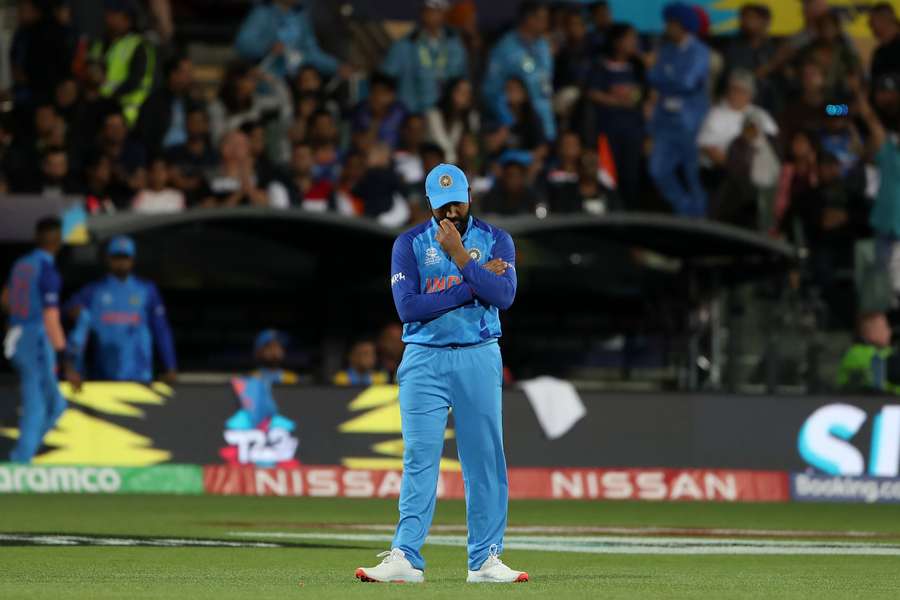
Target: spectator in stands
{"x": 270, "y": 175}
{"x": 563, "y": 177}
{"x": 511, "y": 193}
{"x": 799, "y": 175}
{"x": 98, "y": 192}
{"x": 389, "y": 347}
{"x": 523, "y": 55}
{"x": 524, "y": 131}
{"x": 806, "y": 112}
{"x": 381, "y": 114}
{"x": 407, "y": 158}
{"x": 886, "y": 100}
{"x": 746, "y": 197}
{"x": 601, "y": 22}
{"x": 831, "y": 217}
{"x": 616, "y": 89}
{"x": 454, "y": 116}
{"x": 126, "y": 317}
{"x": 279, "y": 35}
{"x": 870, "y": 364}
{"x": 885, "y": 217}
{"x": 463, "y": 15}
{"x": 23, "y": 159}
{"x": 301, "y": 173}
{"x": 572, "y": 63}
{"x": 886, "y": 29}
{"x": 840, "y": 138}
{"x": 128, "y": 61}
{"x": 679, "y": 77}
{"x": 753, "y": 50}
{"x": 56, "y": 179}
{"x": 162, "y": 122}
{"x": 190, "y": 161}
{"x": 834, "y": 52}
{"x": 42, "y": 49}
{"x": 234, "y": 182}
{"x": 361, "y": 366}
{"x": 343, "y": 199}
{"x": 381, "y": 190}
{"x": 725, "y": 122}
{"x": 426, "y": 59}
{"x": 127, "y": 158}
{"x": 158, "y": 197}
{"x": 248, "y": 94}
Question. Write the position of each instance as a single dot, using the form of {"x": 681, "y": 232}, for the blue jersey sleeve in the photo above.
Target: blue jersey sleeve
{"x": 496, "y": 290}
{"x": 412, "y": 305}
{"x": 80, "y": 299}
{"x": 78, "y": 337}
{"x": 159, "y": 324}
{"x": 49, "y": 284}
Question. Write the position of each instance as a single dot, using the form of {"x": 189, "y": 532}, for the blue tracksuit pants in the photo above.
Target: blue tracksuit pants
{"x": 674, "y": 149}
{"x": 42, "y": 403}
{"x": 469, "y": 380}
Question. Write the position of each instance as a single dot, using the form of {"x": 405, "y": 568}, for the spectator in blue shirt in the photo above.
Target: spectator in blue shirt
{"x": 381, "y": 114}
{"x": 125, "y": 316}
{"x": 280, "y": 33}
{"x": 679, "y": 77}
{"x": 523, "y": 54}
{"x": 425, "y": 60}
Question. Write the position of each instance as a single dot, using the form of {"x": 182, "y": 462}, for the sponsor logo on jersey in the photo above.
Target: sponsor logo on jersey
{"x": 437, "y": 284}
{"x": 431, "y": 256}
{"x": 396, "y": 278}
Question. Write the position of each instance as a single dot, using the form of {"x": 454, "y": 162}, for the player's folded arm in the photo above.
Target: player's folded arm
{"x": 493, "y": 289}
{"x": 412, "y": 305}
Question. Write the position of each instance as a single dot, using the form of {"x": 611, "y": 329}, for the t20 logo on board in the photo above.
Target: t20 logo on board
{"x": 824, "y": 441}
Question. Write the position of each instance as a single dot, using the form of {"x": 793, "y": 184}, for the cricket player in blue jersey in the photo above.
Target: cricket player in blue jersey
{"x": 450, "y": 277}
{"x": 126, "y": 317}
{"x": 35, "y": 336}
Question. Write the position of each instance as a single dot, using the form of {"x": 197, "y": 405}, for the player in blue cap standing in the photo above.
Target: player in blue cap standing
{"x": 450, "y": 277}
{"x": 126, "y": 317}
{"x": 35, "y": 335}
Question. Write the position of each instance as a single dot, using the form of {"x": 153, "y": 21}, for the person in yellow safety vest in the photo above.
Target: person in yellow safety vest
{"x": 128, "y": 60}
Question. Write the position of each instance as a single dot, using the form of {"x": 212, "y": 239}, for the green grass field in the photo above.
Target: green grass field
{"x": 322, "y": 567}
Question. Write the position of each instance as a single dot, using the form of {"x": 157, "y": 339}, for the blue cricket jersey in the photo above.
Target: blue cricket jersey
{"x": 125, "y": 317}
{"x": 441, "y": 305}
{"x": 33, "y": 285}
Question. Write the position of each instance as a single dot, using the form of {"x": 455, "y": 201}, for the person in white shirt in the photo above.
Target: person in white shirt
{"x": 724, "y": 123}
{"x": 158, "y": 196}
{"x": 453, "y": 116}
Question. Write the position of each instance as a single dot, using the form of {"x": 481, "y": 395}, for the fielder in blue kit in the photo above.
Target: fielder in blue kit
{"x": 126, "y": 317}
{"x": 450, "y": 278}
{"x": 35, "y": 335}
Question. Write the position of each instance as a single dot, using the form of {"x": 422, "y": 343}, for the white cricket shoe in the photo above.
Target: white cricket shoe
{"x": 393, "y": 569}
{"x": 494, "y": 571}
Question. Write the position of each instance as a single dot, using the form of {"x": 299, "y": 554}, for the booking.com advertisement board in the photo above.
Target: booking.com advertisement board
{"x": 327, "y": 441}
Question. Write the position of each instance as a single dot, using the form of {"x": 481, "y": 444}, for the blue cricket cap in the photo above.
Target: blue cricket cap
{"x": 268, "y": 335}
{"x": 446, "y": 183}
{"x": 121, "y": 245}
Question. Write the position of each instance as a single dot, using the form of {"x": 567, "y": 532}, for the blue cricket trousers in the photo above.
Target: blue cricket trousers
{"x": 42, "y": 403}
{"x": 469, "y": 380}
{"x": 674, "y": 148}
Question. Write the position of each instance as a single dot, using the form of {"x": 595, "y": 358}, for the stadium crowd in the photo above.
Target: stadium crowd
{"x": 569, "y": 111}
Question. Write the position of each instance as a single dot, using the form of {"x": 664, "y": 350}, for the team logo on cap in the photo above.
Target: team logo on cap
{"x": 445, "y": 181}
{"x": 475, "y": 253}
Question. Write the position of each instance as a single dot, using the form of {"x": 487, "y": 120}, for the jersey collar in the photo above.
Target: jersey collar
{"x": 46, "y": 256}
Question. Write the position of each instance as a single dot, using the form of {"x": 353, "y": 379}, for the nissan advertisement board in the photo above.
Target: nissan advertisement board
{"x": 342, "y": 441}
